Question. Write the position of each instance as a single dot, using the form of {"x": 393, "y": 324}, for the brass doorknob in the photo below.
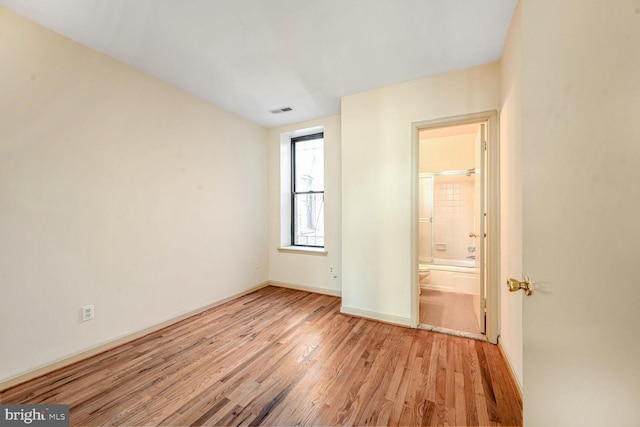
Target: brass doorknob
{"x": 472, "y": 234}
{"x": 515, "y": 285}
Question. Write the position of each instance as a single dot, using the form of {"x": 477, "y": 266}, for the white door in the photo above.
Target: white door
{"x": 581, "y": 212}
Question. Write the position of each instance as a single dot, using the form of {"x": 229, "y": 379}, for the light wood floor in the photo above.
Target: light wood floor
{"x": 450, "y": 310}
{"x": 284, "y": 357}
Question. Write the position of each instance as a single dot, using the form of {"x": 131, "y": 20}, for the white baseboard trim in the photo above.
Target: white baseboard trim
{"x": 514, "y": 378}
{"x": 84, "y": 354}
{"x": 380, "y": 317}
{"x": 307, "y": 288}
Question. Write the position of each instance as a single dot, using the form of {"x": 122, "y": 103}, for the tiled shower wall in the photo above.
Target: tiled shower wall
{"x": 453, "y": 210}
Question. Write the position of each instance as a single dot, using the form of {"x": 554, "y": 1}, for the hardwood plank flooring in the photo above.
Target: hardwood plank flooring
{"x": 284, "y": 357}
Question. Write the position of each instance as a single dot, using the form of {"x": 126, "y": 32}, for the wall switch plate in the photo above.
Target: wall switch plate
{"x": 87, "y": 312}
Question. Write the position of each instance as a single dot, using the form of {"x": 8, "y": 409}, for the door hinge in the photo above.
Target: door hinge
{"x": 484, "y": 145}
{"x": 483, "y": 304}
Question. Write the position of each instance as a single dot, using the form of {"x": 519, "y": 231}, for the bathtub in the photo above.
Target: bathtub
{"x": 453, "y": 278}
{"x": 455, "y": 262}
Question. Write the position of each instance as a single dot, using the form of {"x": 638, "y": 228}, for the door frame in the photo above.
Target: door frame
{"x": 493, "y": 213}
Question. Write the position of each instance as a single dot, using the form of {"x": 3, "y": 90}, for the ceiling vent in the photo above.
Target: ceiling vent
{"x": 281, "y": 110}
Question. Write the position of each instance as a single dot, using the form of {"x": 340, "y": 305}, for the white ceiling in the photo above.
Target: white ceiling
{"x": 251, "y": 56}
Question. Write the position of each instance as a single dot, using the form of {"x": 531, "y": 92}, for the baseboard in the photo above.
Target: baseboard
{"x": 85, "y": 354}
{"x": 307, "y": 288}
{"x": 514, "y": 378}
{"x": 380, "y": 317}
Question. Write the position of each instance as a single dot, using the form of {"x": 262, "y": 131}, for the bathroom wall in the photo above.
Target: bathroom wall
{"x": 454, "y": 216}
{"x": 454, "y": 198}
{"x": 454, "y": 152}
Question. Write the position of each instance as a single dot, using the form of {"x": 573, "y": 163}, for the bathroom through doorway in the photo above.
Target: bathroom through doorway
{"x": 453, "y": 228}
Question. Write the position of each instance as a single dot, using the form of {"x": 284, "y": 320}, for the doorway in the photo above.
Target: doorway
{"x": 455, "y": 233}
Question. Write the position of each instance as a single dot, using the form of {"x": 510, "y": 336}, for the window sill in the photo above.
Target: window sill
{"x": 303, "y": 250}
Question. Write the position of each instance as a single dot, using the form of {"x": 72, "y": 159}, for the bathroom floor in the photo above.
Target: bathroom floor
{"x": 450, "y": 310}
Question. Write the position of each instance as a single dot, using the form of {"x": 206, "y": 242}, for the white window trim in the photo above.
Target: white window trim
{"x": 303, "y": 250}
{"x": 285, "y": 194}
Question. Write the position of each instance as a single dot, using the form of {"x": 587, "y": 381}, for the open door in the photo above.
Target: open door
{"x": 580, "y": 220}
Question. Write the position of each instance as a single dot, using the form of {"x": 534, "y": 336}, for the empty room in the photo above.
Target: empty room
{"x": 298, "y": 212}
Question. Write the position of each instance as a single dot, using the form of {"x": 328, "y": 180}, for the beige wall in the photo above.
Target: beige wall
{"x": 118, "y": 190}
{"x": 377, "y": 181}
{"x": 511, "y": 195}
{"x": 447, "y": 153}
{"x": 580, "y": 143}
{"x": 317, "y": 272}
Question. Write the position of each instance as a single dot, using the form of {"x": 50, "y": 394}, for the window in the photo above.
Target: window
{"x": 307, "y": 190}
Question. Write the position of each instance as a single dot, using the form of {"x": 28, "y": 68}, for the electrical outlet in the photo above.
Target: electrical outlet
{"x": 87, "y": 312}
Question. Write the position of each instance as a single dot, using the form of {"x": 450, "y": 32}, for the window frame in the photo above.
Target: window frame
{"x": 294, "y": 193}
